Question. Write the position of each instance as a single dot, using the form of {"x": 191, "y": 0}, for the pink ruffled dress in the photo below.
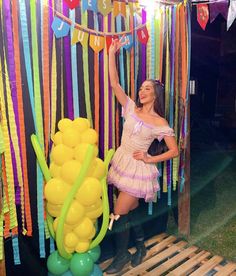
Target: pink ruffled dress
{"x": 136, "y": 177}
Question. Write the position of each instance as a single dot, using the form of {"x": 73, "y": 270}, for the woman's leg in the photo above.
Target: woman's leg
{"x": 121, "y": 227}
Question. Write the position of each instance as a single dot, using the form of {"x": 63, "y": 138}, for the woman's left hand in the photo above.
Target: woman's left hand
{"x": 140, "y": 155}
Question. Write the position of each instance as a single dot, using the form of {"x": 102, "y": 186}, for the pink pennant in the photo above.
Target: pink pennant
{"x": 202, "y": 15}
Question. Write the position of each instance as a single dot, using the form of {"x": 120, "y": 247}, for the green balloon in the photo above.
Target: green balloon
{"x": 81, "y": 264}
{"x": 95, "y": 253}
{"x": 56, "y": 264}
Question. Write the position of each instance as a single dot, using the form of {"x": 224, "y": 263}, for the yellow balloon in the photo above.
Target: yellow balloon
{"x": 71, "y": 240}
{"x": 82, "y": 246}
{"x": 71, "y": 137}
{"x": 61, "y": 153}
{"x": 57, "y": 138}
{"x": 75, "y": 213}
{"x": 63, "y": 124}
{"x": 55, "y": 170}
{"x": 66, "y": 228}
{"x": 89, "y": 136}
{"x": 70, "y": 171}
{"x": 93, "y": 207}
{"x": 54, "y": 210}
{"x": 89, "y": 192}
{"x": 95, "y": 213}
{"x": 92, "y": 234}
{"x": 84, "y": 229}
{"x": 81, "y": 150}
{"x": 81, "y": 124}
{"x": 99, "y": 169}
{"x": 56, "y": 191}
{"x": 69, "y": 249}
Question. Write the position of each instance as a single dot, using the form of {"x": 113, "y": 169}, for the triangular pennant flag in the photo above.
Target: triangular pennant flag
{"x": 97, "y": 43}
{"x": 202, "y": 15}
{"x": 105, "y": 7}
{"x": 143, "y": 35}
{"x": 231, "y": 13}
{"x": 119, "y": 8}
{"x": 109, "y": 41}
{"x": 79, "y": 36}
{"x": 89, "y": 5}
{"x": 129, "y": 39}
{"x": 60, "y": 27}
{"x": 72, "y": 3}
{"x": 217, "y": 7}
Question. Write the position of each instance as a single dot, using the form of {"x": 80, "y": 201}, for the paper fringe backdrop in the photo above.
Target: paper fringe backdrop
{"x": 44, "y": 79}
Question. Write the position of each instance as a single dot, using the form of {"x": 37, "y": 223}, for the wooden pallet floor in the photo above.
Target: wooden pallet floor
{"x": 170, "y": 256}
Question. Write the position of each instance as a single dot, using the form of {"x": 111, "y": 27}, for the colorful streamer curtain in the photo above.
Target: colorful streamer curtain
{"x": 67, "y": 76}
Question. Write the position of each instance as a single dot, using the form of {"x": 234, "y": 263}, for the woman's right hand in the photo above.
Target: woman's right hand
{"x": 117, "y": 44}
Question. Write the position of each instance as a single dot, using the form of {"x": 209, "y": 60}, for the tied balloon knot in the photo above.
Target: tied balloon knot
{"x": 112, "y": 217}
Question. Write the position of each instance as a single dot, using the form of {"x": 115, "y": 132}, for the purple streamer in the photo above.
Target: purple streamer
{"x": 143, "y": 68}
{"x": 110, "y": 96}
{"x": 217, "y": 7}
{"x": 12, "y": 78}
{"x": 67, "y": 62}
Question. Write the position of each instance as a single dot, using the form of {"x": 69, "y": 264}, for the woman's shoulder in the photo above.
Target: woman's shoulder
{"x": 160, "y": 122}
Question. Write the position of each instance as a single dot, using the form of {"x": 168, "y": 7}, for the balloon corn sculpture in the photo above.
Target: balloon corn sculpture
{"x": 76, "y": 195}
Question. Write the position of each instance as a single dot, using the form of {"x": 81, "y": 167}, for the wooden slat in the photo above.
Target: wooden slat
{"x": 207, "y": 266}
{"x": 156, "y": 239}
{"x": 188, "y": 266}
{"x": 155, "y": 259}
{"x": 233, "y": 274}
{"x": 226, "y": 270}
{"x": 174, "y": 261}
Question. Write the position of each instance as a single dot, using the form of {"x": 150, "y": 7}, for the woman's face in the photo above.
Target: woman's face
{"x": 146, "y": 93}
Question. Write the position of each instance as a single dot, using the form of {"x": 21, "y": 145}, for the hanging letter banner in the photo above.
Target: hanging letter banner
{"x": 60, "y": 27}
{"x": 72, "y": 3}
{"x": 79, "y": 36}
{"x": 129, "y": 39}
{"x": 143, "y": 35}
{"x": 202, "y": 15}
{"x": 97, "y": 43}
{"x": 119, "y": 8}
{"x": 104, "y": 7}
{"x": 89, "y": 5}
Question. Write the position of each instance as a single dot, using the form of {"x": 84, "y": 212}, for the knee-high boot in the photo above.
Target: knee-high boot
{"x": 121, "y": 229}
{"x": 141, "y": 251}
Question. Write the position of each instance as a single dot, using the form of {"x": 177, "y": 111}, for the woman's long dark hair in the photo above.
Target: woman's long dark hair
{"x": 156, "y": 147}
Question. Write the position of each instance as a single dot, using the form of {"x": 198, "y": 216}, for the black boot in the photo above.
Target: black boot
{"x": 121, "y": 229}
{"x": 141, "y": 251}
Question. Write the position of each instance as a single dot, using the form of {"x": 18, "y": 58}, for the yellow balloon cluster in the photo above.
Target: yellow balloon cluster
{"x": 70, "y": 145}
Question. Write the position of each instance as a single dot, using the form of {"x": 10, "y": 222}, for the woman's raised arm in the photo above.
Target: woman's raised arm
{"x": 113, "y": 74}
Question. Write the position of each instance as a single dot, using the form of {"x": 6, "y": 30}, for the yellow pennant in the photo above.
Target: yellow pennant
{"x": 79, "y": 36}
{"x": 97, "y": 43}
{"x": 105, "y": 7}
{"x": 119, "y": 8}
{"x": 131, "y": 8}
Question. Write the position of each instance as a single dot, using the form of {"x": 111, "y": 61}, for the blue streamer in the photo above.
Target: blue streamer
{"x": 74, "y": 70}
{"x": 150, "y": 208}
{"x": 27, "y": 58}
{"x": 16, "y": 252}
{"x": 52, "y": 245}
{"x": 136, "y": 58}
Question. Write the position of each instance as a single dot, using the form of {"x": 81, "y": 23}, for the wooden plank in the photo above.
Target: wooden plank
{"x": 157, "y": 238}
{"x": 140, "y": 269}
{"x": 184, "y": 196}
{"x": 207, "y": 266}
{"x": 174, "y": 260}
{"x": 226, "y": 269}
{"x": 160, "y": 246}
{"x": 188, "y": 266}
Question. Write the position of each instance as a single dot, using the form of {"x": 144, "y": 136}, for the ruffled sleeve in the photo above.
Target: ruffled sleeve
{"x": 161, "y": 132}
{"x": 128, "y": 108}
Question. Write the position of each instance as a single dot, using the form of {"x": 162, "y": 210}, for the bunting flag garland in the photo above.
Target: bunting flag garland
{"x": 231, "y": 13}
{"x": 202, "y": 15}
{"x": 61, "y": 78}
{"x": 218, "y": 7}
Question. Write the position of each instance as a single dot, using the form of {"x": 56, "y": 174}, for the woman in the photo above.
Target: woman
{"x": 133, "y": 171}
